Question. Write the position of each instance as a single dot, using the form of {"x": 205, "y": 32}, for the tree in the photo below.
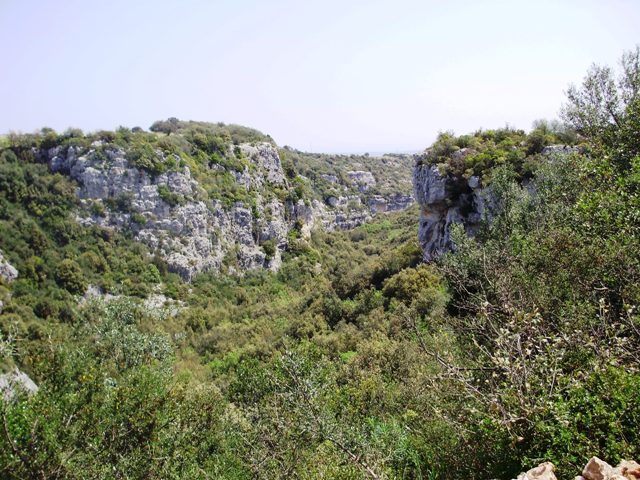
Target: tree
{"x": 166, "y": 126}
{"x": 599, "y": 107}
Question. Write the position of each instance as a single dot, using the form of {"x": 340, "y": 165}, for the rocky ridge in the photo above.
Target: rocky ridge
{"x": 172, "y": 213}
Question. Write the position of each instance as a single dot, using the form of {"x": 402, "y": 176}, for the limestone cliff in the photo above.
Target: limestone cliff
{"x": 445, "y": 200}
{"x": 192, "y": 224}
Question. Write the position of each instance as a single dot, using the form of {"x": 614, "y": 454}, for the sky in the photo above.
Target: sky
{"x": 325, "y": 76}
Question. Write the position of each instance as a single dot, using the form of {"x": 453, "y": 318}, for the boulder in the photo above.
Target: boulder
{"x": 544, "y": 471}
{"x": 628, "y": 469}
{"x": 597, "y": 469}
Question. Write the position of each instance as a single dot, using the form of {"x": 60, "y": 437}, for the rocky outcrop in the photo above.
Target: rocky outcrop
{"x": 445, "y": 200}
{"x": 195, "y": 230}
{"x": 595, "y": 469}
{"x": 361, "y": 179}
{"x": 12, "y": 383}
{"x": 559, "y": 149}
{"x": 169, "y": 213}
{"x": 8, "y": 273}
{"x": 392, "y": 203}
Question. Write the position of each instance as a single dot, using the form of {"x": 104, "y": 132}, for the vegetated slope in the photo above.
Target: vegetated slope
{"x": 354, "y": 359}
{"x": 347, "y": 175}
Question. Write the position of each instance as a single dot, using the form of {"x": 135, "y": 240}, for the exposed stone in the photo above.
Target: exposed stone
{"x": 392, "y": 203}
{"x": 169, "y": 212}
{"x": 332, "y": 201}
{"x": 446, "y": 200}
{"x": 265, "y": 157}
{"x": 158, "y": 305}
{"x": 628, "y": 469}
{"x": 330, "y": 178}
{"x": 8, "y": 272}
{"x": 544, "y": 471}
{"x": 430, "y": 187}
{"x": 596, "y": 469}
{"x": 361, "y": 179}
{"x": 12, "y": 383}
{"x": 561, "y": 149}
{"x": 94, "y": 292}
{"x": 473, "y": 182}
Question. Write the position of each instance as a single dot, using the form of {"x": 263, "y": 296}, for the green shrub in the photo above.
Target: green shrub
{"x": 70, "y": 277}
{"x": 138, "y": 218}
{"x": 172, "y": 199}
{"x": 269, "y": 247}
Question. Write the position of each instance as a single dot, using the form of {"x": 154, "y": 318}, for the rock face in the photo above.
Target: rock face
{"x": 8, "y": 272}
{"x": 595, "y": 469}
{"x": 445, "y": 200}
{"x": 392, "y": 203}
{"x": 194, "y": 230}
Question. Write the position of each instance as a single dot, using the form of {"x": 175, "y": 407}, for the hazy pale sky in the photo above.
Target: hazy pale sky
{"x": 316, "y": 75}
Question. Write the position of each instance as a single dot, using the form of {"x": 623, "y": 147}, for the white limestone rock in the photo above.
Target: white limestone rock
{"x": 361, "y": 179}
{"x": 8, "y": 272}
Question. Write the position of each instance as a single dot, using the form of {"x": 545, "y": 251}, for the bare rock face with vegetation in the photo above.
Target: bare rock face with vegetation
{"x": 452, "y": 179}
{"x": 444, "y": 201}
{"x": 172, "y": 214}
{"x": 205, "y": 203}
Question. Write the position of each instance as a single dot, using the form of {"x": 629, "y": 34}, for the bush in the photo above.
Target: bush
{"x": 269, "y": 247}
{"x": 70, "y": 277}
{"x": 172, "y": 199}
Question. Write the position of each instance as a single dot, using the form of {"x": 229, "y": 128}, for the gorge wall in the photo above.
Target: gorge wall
{"x": 445, "y": 200}
{"x": 194, "y": 227}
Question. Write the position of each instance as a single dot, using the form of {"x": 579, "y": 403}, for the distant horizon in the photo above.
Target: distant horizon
{"x": 326, "y": 77}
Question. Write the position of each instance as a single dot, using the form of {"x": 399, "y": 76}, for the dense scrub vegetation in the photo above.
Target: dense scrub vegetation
{"x": 355, "y": 360}
{"x": 480, "y": 152}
